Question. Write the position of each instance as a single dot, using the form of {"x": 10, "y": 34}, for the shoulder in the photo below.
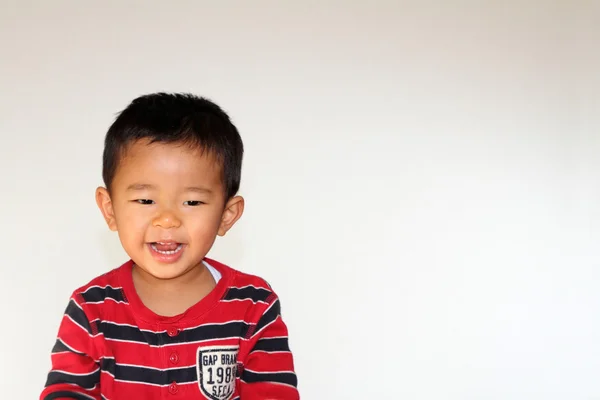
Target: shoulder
{"x": 246, "y": 287}
{"x": 251, "y": 293}
{"x": 108, "y": 280}
{"x": 88, "y": 302}
{"x": 94, "y": 294}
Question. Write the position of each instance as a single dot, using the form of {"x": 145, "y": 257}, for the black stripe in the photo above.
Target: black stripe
{"x": 83, "y": 381}
{"x": 130, "y": 373}
{"x": 203, "y": 332}
{"x": 78, "y": 315}
{"x": 287, "y": 378}
{"x": 248, "y": 293}
{"x": 272, "y": 344}
{"x": 60, "y": 347}
{"x": 269, "y": 316}
{"x": 97, "y": 294}
{"x": 63, "y": 394}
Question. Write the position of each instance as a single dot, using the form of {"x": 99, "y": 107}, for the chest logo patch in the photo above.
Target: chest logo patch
{"x": 217, "y": 368}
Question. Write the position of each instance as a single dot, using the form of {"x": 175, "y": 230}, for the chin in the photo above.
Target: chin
{"x": 164, "y": 272}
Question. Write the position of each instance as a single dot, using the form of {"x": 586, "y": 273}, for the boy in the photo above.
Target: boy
{"x": 171, "y": 323}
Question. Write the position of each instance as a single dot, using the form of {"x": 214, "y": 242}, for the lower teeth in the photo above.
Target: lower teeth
{"x": 166, "y": 252}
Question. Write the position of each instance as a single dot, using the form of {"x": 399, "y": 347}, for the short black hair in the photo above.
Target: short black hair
{"x": 176, "y": 118}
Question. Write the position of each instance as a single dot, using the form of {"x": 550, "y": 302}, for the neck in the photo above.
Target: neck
{"x": 191, "y": 277}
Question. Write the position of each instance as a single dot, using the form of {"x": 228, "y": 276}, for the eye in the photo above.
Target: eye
{"x": 193, "y": 203}
{"x": 144, "y": 201}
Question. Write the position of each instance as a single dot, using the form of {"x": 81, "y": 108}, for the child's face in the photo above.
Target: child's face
{"x": 167, "y": 203}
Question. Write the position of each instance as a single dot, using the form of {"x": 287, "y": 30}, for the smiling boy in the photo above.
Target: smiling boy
{"x": 171, "y": 323}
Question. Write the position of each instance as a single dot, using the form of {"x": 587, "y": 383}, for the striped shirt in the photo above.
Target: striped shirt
{"x": 232, "y": 344}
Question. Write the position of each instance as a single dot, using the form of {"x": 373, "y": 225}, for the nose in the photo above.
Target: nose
{"x": 166, "y": 220}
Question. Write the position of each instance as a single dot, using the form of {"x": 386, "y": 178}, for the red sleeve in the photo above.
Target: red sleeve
{"x": 268, "y": 372}
{"x": 75, "y": 372}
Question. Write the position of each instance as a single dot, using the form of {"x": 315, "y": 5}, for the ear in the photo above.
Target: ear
{"x": 233, "y": 211}
{"x": 105, "y": 205}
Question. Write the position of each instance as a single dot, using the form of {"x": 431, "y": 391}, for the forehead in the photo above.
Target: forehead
{"x": 167, "y": 164}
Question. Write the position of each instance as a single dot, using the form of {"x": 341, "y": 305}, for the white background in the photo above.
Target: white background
{"x": 422, "y": 180}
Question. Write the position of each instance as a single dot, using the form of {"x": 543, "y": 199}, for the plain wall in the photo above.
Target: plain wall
{"x": 422, "y": 180}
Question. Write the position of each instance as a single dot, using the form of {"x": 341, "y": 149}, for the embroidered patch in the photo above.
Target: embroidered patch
{"x": 217, "y": 368}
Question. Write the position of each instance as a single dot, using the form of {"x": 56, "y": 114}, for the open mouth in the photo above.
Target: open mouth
{"x": 166, "y": 248}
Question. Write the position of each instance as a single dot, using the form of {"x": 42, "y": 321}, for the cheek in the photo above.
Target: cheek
{"x": 203, "y": 225}
{"x": 132, "y": 222}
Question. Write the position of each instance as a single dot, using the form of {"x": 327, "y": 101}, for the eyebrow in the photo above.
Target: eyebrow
{"x": 147, "y": 186}
{"x": 197, "y": 189}
{"x": 140, "y": 186}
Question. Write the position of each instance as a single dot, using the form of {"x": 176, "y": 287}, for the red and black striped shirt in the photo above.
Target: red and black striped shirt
{"x": 233, "y": 344}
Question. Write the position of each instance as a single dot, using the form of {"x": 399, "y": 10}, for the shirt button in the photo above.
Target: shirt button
{"x": 173, "y": 388}
{"x": 172, "y": 332}
{"x": 174, "y": 358}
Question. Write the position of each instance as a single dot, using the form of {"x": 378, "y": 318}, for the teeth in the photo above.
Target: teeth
{"x": 166, "y": 252}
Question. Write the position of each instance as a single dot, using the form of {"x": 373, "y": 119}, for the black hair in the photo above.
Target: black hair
{"x": 176, "y": 118}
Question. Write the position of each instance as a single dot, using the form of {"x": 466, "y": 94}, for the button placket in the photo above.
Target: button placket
{"x": 172, "y": 357}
